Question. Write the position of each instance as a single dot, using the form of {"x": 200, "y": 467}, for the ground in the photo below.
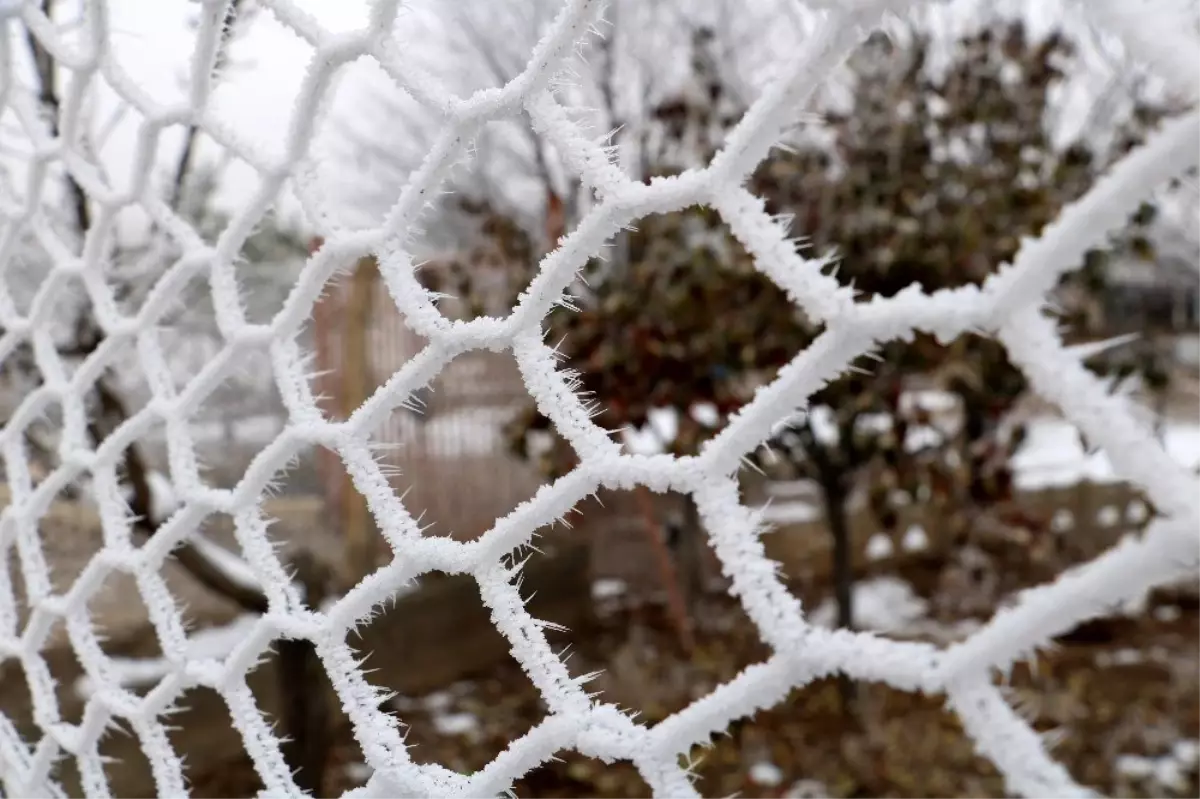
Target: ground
{"x": 1123, "y": 694}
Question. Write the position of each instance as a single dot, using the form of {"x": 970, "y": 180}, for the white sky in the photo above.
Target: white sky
{"x": 153, "y": 43}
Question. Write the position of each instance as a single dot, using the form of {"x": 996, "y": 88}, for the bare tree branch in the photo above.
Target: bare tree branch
{"x": 183, "y": 167}
{"x": 44, "y": 69}
{"x": 112, "y": 411}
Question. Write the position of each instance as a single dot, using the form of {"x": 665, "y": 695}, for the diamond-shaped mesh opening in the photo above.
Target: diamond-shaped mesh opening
{"x": 459, "y": 431}
{"x": 17, "y": 704}
{"x": 660, "y": 367}
{"x": 125, "y": 764}
{"x": 462, "y": 700}
{"x": 123, "y": 625}
{"x": 28, "y": 267}
{"x": 16, "y": 699}
{"x": 215, "y": 763}
{"x": 242, "y": 413}
{"x": 277, "y": 96}
{"x": 645, "y": 546}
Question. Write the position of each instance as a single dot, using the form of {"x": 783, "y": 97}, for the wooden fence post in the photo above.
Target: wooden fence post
{"x": 354, "y": 388}
{"x": 325, "y": 318}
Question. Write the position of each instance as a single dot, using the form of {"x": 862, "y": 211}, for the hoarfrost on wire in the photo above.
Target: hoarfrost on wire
{"x": 1009, "y": 306}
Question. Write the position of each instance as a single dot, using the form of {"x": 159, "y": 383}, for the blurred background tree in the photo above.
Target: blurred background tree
{"x": 930, "y": 176}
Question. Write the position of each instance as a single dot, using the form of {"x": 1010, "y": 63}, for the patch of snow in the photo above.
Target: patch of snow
{"x": 456, "y": 723}
{"x": 163, "y": 499}
{"x": 921, "y": 437}
{"x": 766, "y": 774}
{"x": 1187, "y": 753}
{"x": 1137, "y": 512}
{"x": 1108, "y": 516}
{"x": 1053, "y": 456}
{"x": 915, "y": 539}
{"x": 1120, "y": 657}
{"x": 1167, "y": 613}
{"x": 932, "y": 400}
{"x": 883, "y": 604}
{"x": 1163, "y": 771}
{"x": 706, "y": 414}
{"x": 664, "y": 422}
{"x": 236, "y": 569}
{"x": 358, "y": 772}
{"x": 539, "y": 442}
{"x": 793, "y": 489}
{"x": 1135, "y": 767}
{"x": 944, "y": 633}
{"x": 643, "y": 442}
{"x": 211, "y": 643}
{"x": 438, "y": 701}
{"x": 608, "y": 589}
{"x": 794, "y": 512}
{"x": 807, "y": 789}
{"x": 1062, "y": 521}
{"x": 824, "y": 425}
{"x": 1187, "y": 350}
{"x": 879, "y": 546}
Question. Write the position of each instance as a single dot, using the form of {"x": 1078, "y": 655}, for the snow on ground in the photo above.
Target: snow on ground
{"x": 791, "y": 512}
{"x": 1053, "y": 455}
{"x": 807, "y": 789}
{"x": 882, "y": 604}
{"x": 208, "y": 643}
{"x": 608, "y": 588}
{"x": 766, "y": 774}
{"x": 358, "y": 772}
{"x": 915, "y": 539}
{"x": 889, "y": 605}
{"x": 236, "y": 569}
{"x": 879, "y": 547}
{"x": 456, "y": 724}
{"x": 1164, "y": 771}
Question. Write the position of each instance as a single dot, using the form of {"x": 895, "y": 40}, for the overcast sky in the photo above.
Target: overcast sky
{"x": 153, "y": 42}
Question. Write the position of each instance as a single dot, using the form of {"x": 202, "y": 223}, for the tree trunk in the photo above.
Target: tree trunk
{"x": 835, "y": 496}
{"x": 307, "y": 722}
{"x": 690, "y": 552}
{"x": 677, "y": 605}
{"x": 357, "y": 522}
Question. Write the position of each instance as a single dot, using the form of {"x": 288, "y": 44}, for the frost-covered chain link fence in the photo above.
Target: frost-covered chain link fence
{"x": 1009, "y": 306}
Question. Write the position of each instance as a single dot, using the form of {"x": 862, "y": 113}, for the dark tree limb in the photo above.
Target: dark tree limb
{"x": 112, "y": 411}
{"x": 43, "y": 64}
{"x": 306, "y": 716}
{"x": 184, "y": 165}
